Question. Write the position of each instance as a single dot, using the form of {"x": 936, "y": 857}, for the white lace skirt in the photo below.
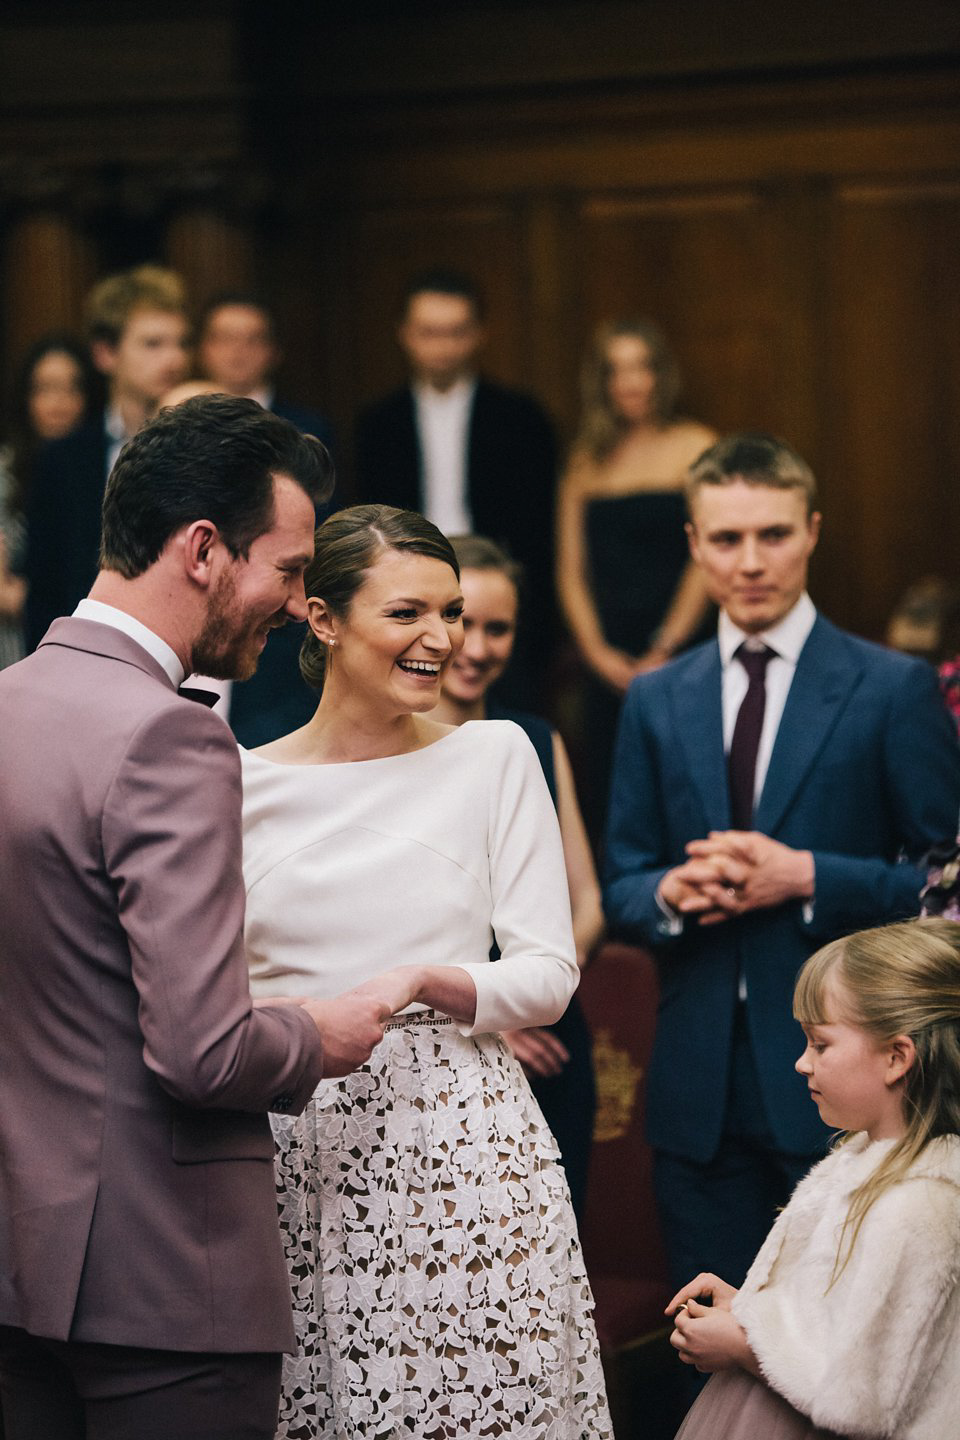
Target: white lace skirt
{"x": 438, "y": 1284}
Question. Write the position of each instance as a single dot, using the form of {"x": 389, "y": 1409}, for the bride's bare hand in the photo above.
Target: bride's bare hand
{"x": 395, "y": 989}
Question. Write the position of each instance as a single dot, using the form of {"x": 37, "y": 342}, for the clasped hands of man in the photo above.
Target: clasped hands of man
{"x": 734, "y": 871}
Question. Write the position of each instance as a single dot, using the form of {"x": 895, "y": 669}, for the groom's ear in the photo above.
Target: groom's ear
{"x": 199, "y": 551}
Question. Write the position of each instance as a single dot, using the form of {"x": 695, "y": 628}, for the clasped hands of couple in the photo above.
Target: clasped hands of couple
{"x": 351, "y": 1025}
{"x": 733, "y": 871}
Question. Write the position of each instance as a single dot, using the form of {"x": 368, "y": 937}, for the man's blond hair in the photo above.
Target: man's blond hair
{"x": 147, "y": 287}
{"x": 756, "y": 458}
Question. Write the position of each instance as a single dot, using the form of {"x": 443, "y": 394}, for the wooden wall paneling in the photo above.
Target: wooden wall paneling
{"x": 700, "y": 264}
{"x": 307, "y": 277}
{"x": 486, "y": 239}
{"x": 211, "y": 251}
{"x": 896, "y": 361}
{"x": 549, "y": 284}
{"x": 49, "y": 263}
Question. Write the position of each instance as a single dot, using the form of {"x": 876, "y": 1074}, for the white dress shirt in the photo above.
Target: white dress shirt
{"x": 146, "y": 639}
{"x": 786, "y": 639}
{"x": 116, "y": 434}
{"x": 443, "y": 423}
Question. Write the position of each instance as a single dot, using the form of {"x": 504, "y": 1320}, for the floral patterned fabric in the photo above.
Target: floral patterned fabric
{"x": 439, "y": 1287}
{"x": 941, "y": 894}
{"x": 949, "y": 673}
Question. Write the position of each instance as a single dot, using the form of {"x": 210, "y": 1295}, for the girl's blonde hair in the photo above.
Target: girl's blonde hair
{"x": 901, "y": 979}
{"x": 601, "y": 428}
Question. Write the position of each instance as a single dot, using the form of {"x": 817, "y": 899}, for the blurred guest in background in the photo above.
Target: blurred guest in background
{"x": 557, "y": 1059}
{"x": 238, "y": 349}
{"x": 628, "y": 589}
{"x": 926, "y": 622}
{"x": 51, "y": 395}
{"x": 138, "y": 332}
{"x": 467, "y": 453}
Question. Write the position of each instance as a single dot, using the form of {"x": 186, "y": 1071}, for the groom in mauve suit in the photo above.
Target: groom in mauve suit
{"x": 143, "y": 1291}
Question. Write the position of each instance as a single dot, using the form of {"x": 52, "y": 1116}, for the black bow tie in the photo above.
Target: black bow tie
{"x": 202, "y": 697}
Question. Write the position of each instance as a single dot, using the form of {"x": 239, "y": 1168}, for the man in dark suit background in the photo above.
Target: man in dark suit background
{"x": 142, "y": 1285}
{"x": 471, "y": 455}
{"x": 239, "y": 350}
{"x": 772, "y": 789}
{"x": 138, "y": 331}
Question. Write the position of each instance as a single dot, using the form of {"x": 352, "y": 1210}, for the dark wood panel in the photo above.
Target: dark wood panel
{"x": 895, "y": 444}
{"x": 390, "y": 244}
{"x": 702, "y": 266}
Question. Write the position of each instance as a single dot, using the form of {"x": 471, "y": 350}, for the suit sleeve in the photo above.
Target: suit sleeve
{"x": 858, "y": 1359}
{"x": 172, "y": 847}
{"x": 532, "y": 982}
{"x": 638, "y": 843}
{"x": 922, "y": 780}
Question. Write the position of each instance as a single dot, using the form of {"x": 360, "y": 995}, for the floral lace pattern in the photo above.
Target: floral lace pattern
{"x": 439, "y": 1288}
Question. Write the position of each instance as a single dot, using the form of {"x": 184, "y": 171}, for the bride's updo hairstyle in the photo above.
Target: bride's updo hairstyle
{"x": 347, "y": 545}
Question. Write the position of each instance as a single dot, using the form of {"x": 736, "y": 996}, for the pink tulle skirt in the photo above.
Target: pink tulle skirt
{"x": 735, "y": 1406}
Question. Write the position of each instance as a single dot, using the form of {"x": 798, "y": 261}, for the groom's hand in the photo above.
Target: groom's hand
{"x": 350, "y": 1027}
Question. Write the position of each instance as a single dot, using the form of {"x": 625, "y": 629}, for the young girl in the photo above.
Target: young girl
{"x": 848, "y": 1322}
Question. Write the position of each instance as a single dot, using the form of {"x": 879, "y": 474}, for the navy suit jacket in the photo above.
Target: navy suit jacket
{"x": 63, "y": 526}
{"x": 311, "y": 422}
{"x": 865, "y": 773}
{"x": 511, "y": 471}
{"x": 511, "y": 483}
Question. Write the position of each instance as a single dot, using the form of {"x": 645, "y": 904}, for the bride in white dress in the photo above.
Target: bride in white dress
{"x": 439, "y": 1288}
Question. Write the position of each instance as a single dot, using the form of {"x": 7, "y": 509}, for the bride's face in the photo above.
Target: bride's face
{"x": 398, "y": 638}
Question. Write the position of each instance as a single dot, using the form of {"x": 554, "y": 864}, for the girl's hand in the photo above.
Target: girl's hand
{"x": 721, "y": 1294}
{"x": 711, "y": 1338}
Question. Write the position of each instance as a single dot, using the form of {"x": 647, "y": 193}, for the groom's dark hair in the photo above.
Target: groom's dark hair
{"x": 213, "y": 457}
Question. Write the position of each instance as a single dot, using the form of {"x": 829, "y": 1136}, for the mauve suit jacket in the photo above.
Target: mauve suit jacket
{"x": 137, "y": 1201}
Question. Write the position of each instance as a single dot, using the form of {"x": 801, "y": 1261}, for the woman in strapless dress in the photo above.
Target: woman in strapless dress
{"x": 628, "y": 590}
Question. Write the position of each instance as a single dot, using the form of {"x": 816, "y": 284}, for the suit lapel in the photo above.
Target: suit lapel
{"x": 825, "y": 678}
{"x": 407, "y": 462}
{"x": 698, "y": 725}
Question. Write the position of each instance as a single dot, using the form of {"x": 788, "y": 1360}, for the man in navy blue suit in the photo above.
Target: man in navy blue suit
{"x": 773, "y": 789}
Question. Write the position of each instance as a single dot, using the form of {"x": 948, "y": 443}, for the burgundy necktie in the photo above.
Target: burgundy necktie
{"x": 742, "y": 760}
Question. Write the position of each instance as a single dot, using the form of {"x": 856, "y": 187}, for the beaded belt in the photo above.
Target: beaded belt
{"x": 418, "y": 1017}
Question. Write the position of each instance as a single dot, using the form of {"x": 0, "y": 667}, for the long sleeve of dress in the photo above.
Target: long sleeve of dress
{"x": 532, "y": 982}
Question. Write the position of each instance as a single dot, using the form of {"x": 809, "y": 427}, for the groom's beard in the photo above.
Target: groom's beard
{"x": 230, "y": 645}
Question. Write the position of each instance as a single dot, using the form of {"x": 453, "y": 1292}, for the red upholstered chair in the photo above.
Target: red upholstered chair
{"x": 621, "y": 1234}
